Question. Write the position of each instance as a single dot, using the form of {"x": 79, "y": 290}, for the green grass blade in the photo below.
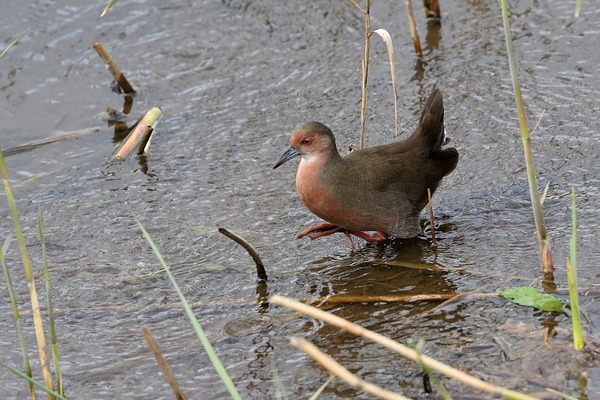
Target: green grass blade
{"x": 542, "y": 234}
{"x": 210, "y": 351}
{"x": 11, "y": 44}
{"x": 53, "y": 336}
{"x": 578, "y": 8}
{"x": 316, "y": 394}
{"x": 16, "y": 314}
{"x": 31, "y": 380}
{"x": 578, "y": 341}
{"x": 444, "y": 394}
{"x": 108, "y": 7}
{"x": 35, "y": 305}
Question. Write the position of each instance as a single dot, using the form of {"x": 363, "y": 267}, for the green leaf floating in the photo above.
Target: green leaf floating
{"x": 532, "y": 297}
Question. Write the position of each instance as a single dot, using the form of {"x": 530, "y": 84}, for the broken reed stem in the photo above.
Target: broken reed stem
{"x": 113, "y": 68}
{"x": 162, "y": 363}
{"x": 397, "y": 347}
{"x": 431, "y": 220}
{"x": 140, "y": 135}
{"x": 33, "y": 145}
{"x": 385, "y": 35}
{"x": 343, "y": 298}
{"x": 413, "y": 28}
{"x": 260, "y": 267}
{"x": 543, "y": 240}
{"x": 432, "y": 9}
{"x": 337, "y": 369}
{"x": 365, "y": 71}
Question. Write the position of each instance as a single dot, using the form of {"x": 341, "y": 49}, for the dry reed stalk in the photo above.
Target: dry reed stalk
{"x": 392, "y": 59}
{"x": 399, "y": 348}
{"x": 337, "y": 369}
{"x": 413, "y": 28}
{"x": 337, "y": 299}
{"x": 162, "y": 363}
{"x": 113, "y": 68}
{"x": 365, "y": 74}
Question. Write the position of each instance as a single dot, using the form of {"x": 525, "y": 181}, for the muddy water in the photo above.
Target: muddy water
{"x": 233, "y": 78}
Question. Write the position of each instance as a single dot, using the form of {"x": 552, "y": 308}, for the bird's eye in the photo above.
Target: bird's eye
{"x": 307, "y": 141}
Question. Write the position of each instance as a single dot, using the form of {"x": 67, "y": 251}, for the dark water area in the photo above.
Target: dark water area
{"x": 233, "y": 79}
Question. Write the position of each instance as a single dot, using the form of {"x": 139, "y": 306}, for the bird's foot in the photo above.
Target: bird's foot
{"x": 326, "y": 229}
{"x": 317, "y": 231}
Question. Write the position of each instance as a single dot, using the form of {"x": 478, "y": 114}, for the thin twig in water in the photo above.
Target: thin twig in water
{"x": 113, "y": 68}
{"x": 33, "y": 145}
{"x": 162, "y": 363}
{"x": 260, "y": 268}
{"x": 431, "y": 220}
{"x": 544, "y": 193}
{"x": 538, "y": 122}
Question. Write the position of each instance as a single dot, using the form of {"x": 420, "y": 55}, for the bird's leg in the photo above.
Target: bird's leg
{"x": 317, "y": 231}
{"x": 326, "y": 229}
{"x": 377, "y": 237}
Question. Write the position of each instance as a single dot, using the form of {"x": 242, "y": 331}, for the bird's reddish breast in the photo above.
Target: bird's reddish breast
{"x": 314, "y": 196}
{"x": 323, "y": 203}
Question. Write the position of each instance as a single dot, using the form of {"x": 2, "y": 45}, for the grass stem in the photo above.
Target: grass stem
{"x": 578, "y": 341}
{"x": 26, "y": 260}
{"x": 210, "y": 351}
{"x": 51, "y": 324}
{"x": 543, "y": 240}
{"x": 365, "y": 74}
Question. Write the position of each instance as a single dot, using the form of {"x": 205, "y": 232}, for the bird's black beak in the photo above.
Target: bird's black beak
{"x": 287, "y": 156}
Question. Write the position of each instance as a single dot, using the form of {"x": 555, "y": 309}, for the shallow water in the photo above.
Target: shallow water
{"x": 233, "y": 79}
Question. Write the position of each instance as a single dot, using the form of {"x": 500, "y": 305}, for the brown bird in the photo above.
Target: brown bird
{"x": 382, "y": 188}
